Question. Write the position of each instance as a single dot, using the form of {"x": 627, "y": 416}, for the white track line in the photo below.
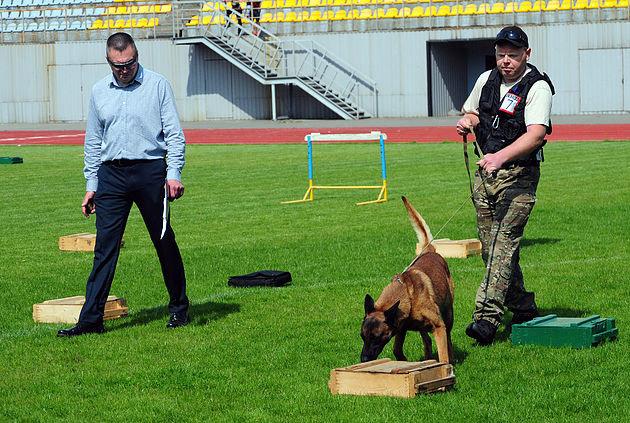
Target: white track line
{"x": 40, "y": 137}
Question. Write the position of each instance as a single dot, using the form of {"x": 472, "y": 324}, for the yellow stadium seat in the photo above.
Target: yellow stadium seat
{"x": 417, "y": 12}
{"x": 366, "y": 14}
{"x": 290, "y": 3}
{"x": 444, "y": 11}
{"x": 120, "y": 23}
{"x": 315, "y": 15}
{"x": 566, "y": 5}
{"x": 143, "y": 9}
{"x": 96, "y": 24}
{"x": 405, "y": 12}
{"x": 267, "y": 4}
{"x": 470, "y": 9}
{"x": 497, "y": 8}
{"x": 483, "y": 8}
{"x": 580, "y": 4}
{"x": 280, "y": 17}
{"x": 315, "y": 3}
{"x": 291, "y": 17}
{"x": 143, "y": 22}
{"x": 594, "y": 4}
{"x": 194, "y": 21}
{"x": 457, "y": 9}
{"x": 622, "y": 3}
{"x": 539, "y": 5}
{"x": 524, "y": 6}
{"x": 430, "y": 11}
{"x": 391, "y": 13}
{"x": 608, "y": 3}
{"x": 340, "y": 15}
{"x": 266, "y": 17}
{"x": 510, "y": 7}
{"x": 552, "y": 5}
{"x": 328, "y": 15}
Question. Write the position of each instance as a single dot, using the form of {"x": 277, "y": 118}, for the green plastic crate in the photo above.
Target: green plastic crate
{"x": 11, "y": 160}
{"x": 555, "y": 331}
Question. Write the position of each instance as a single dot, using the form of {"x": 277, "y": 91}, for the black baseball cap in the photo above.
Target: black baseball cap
{"x": 512, "y": 35}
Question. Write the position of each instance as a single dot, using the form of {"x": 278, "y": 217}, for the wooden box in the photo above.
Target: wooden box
{"x": 66, "y": 310}
{"x": 455, "y": 249}
{"x": 576, "y": 332}
{"x": 79, "y": 242}
{"x": 385, "y": 377}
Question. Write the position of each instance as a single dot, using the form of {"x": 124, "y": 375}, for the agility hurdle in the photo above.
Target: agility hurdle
{"x": 372, "y": 136}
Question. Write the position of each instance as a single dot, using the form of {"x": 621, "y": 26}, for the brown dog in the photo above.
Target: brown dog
{"x": 418, "y": 299}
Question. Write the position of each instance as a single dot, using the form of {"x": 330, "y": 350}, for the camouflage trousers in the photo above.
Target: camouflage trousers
{"x": 503, "y": 202}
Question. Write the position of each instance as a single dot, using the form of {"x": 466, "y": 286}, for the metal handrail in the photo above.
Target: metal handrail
{"x": 281, "y": 57}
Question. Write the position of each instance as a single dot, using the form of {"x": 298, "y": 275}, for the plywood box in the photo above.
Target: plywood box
{"x": 66, "y": 310}
{"x": 392, "y": 378}
{"x": 78, "y": 242}
{"x": 455, "y": 248}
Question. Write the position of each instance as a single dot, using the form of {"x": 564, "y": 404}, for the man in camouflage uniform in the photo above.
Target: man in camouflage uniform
{"x": 509, "y": 110}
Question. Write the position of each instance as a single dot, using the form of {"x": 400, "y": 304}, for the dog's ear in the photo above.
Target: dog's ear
{"x": 390, "y": 314}
{"x": 368, "y": 304}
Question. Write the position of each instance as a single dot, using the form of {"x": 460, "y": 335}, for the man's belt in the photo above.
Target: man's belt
{"x": 127, "y": 162}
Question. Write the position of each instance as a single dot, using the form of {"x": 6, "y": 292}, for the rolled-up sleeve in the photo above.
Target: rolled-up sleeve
{"x": 92, "y": 146}
{"x": 173, "y": 133}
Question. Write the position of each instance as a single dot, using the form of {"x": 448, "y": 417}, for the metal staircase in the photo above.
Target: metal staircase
{"x": 271, "y": 60}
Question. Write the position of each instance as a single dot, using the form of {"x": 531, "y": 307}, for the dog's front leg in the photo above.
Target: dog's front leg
{"x": 398, "y": 345}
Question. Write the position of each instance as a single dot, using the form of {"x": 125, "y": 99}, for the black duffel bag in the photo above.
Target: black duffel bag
{"x": 261, "y": 278}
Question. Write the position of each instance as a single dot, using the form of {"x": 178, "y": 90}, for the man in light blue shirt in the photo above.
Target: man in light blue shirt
{"x": 134, "y": 153}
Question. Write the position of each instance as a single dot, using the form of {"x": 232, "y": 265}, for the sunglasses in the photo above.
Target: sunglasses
{"x": 122, "y": 66}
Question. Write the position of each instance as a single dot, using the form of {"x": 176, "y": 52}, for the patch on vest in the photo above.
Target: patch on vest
{"x": 509, "y": 103}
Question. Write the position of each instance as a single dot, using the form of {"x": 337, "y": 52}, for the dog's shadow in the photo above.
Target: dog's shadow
{"x": 200, "y": 314}
{"x": 504, "y": 335}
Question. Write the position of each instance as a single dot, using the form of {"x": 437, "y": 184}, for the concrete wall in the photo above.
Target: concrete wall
{"x": 52, "y": 82}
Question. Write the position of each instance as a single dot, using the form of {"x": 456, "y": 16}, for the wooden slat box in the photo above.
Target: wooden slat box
{"x": 455, "y": 249}
{"x": 79, "y": 242}
{"x": 66, "y": 310}
{"x": 555, "y": 331}
{"x": 385, "y": 377}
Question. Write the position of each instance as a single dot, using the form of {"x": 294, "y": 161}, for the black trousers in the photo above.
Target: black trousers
{"x": 120, "y": 184}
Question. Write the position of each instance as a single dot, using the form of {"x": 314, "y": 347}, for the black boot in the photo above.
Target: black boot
{"x": 482, "y": 331}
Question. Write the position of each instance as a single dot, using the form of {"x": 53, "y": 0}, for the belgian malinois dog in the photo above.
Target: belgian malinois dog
{"x": 418, "y": 299}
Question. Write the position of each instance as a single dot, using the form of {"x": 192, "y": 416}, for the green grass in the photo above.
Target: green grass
{"x": 266, "y": 354}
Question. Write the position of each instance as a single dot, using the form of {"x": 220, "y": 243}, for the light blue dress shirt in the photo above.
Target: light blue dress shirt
{"x": 138, "y": 121}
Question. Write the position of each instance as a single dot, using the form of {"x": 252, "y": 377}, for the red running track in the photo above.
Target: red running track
{"x": 614, "y": 132}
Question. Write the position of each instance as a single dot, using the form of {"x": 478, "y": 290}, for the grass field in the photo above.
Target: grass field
{"x": 265, "y": 354}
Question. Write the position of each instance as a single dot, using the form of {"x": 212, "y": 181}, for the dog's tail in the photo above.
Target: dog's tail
{"x": 420, "y": 226}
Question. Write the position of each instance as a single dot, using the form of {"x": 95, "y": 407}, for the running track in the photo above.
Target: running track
{"x": 617, "y": 132}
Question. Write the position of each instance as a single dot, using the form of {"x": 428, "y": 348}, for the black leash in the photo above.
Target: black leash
{"x": 467, "y": 161}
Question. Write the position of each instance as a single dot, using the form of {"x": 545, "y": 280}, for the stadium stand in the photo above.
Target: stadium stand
{"x": 77, "y": 16}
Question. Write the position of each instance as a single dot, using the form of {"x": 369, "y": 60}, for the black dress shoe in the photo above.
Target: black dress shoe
{"x": 81, "y": 329}
{"x": 482, "y": 331}
{"x": 177, "y": 320}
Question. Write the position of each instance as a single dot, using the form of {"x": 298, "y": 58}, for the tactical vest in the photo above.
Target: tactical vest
{"x": 499, "y": 128}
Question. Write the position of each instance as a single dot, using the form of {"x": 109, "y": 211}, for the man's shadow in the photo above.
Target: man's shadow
{"x": 525, "y": 242}
{"x": 200, "y": 314}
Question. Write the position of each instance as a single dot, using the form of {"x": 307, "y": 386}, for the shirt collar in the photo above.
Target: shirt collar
{"x": 139, "y": 78}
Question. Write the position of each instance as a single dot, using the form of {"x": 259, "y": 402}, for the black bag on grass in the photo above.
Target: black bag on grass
{"x": 261, "y": 278}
